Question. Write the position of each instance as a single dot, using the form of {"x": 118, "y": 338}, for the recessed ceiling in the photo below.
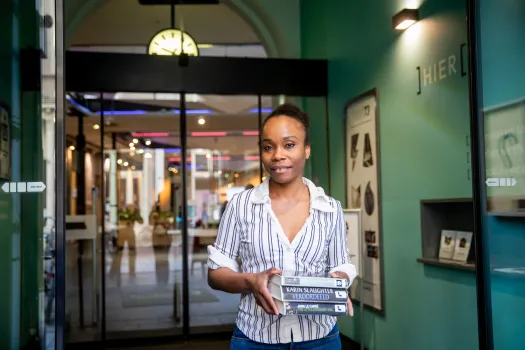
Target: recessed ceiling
{"x": 126, "y": 22}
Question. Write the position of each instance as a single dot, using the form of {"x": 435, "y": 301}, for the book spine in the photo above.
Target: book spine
{"x": 314, "y": 294}
{"x": 315, "y": 282}
{"x": 298, "y": 308}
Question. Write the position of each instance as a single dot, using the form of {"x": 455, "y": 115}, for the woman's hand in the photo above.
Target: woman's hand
{"x": 349, "y": 304}
{"x": 258, "y": 283}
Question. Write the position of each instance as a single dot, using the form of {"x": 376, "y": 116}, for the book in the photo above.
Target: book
{"x": 310, "y": 281}
{"x": 302, "y": 308}
{"x": 307, "y": 294}
{"x": 448, "y": 243}
{"x": 462, "y": 248}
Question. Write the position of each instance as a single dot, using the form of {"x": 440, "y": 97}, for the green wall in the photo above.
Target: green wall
{"x": 20, "y": 215}
{"x": 423, "y": 154}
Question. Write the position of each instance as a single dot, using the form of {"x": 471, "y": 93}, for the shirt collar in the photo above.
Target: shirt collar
{"x": 318, "y": 199}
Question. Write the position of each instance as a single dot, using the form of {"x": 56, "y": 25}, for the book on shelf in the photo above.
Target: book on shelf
{"x": 448, "y": 243}
{"x": 462, "y": 247}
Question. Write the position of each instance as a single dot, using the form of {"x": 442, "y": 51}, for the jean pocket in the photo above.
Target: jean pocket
{"x": 238, "y": 334}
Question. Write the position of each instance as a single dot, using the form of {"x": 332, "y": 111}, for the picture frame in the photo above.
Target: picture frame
{"x": 363, "y": 190}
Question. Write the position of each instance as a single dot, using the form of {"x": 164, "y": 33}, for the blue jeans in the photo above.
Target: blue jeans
{"x": 332, "y": 341}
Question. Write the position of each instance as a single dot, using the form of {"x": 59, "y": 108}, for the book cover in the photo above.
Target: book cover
{"x": 448, "y": 243}
{"x": 462, "y": 248}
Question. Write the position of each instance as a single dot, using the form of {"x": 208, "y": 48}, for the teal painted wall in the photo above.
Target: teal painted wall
{"x": 502, "y": 54}
{"x": 423, "y": 155}
{"x": 20, "y": 216}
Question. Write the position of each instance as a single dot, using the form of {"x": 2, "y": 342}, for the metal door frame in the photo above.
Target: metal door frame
{"x": 82, "y": 71}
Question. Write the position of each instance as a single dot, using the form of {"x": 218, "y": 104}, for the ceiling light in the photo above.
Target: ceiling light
{"x": 131, "y": 144}
{"x": 72, "y": 147}
{"x": 202, "y": 121}
{"x": 126, "y": 163}
{"x": 405, "y": 18}
{"x": 140, "y": 151}
{"x": 135, "y": 141}
{"x": 119, "y": 161}
{"x": 148, "y": 142}
{"x": 96, "y": 126}
{"x": 133, "y": 167}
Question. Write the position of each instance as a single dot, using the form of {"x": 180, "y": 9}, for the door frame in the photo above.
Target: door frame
{"x": 109, "y": 72}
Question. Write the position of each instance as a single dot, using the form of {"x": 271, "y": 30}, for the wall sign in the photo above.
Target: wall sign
{"x": 5, "y": 143}
{"x": 442, "y": 69}
{"x": 363, "y": 191}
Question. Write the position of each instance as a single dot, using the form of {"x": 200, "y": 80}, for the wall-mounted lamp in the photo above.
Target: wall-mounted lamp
{"x": 405, "y": 18}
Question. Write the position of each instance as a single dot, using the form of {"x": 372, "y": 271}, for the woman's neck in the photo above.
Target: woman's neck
{"x": 291, "y": 190}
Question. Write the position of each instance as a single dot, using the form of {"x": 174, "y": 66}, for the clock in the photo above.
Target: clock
{"x": 172, "y": 42}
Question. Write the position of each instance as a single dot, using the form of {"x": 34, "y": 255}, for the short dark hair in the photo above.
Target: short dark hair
{"x": 294, "y": 112}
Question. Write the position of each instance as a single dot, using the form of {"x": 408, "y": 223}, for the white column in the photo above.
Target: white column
{"x": 49, "y": 159}
{"x": 113, "y": 189}
{"x": 146, "y": 202}
{"x": 129, "y": 187}
{"x": 193, "y": 180}
{"x": 159, "y": 172}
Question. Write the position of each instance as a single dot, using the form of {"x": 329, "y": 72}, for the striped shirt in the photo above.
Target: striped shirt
{"x": 250, "y": 232}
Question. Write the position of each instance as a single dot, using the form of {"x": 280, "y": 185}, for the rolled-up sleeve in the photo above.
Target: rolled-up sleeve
{"x": 225, "y": 250}
{"x": 338, "y": 252}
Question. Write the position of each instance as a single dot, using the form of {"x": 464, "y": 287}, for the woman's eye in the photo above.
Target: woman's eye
{"x": 267, "y": 148}
{"x": 290, "y": 145}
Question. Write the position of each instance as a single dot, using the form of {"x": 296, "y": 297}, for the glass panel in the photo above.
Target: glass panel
{"x": 222, "y": 159}
{"x": 501, "y": 58}
{"x": 141, "y": 194}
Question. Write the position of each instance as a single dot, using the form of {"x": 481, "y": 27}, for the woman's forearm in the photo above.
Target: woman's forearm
{"x": 228, "y": 281}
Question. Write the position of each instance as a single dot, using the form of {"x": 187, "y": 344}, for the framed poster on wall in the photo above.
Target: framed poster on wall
{"x": 355, "y": 246}
{"x": 363, "y": 190}
{"x": 5, "y": 143}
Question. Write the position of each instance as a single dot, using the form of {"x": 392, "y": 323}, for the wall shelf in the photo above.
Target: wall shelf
{"x": 445, "y": 214}
{"x": 448, "y": 264}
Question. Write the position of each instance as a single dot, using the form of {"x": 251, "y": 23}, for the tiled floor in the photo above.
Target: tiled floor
{"x": 140, "y": 286}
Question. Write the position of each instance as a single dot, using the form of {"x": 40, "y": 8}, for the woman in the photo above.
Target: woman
{"x": 285, "y": 225}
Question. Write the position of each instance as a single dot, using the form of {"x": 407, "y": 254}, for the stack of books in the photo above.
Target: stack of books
{"x": 309, "y": 295}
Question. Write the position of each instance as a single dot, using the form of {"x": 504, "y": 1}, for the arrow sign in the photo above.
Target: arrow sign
{"x": 501, "y": 182}
{"x": 21, "y": 187}
{"x": 36, "y": 187}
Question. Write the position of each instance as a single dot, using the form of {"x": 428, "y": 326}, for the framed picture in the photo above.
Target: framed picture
{"x": 5, "y": 143}
{"x": 363, "y": 190}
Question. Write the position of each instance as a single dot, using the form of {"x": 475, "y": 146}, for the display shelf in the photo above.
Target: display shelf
{"x": 445, "y": 214}
{"x": 451, "y": 264}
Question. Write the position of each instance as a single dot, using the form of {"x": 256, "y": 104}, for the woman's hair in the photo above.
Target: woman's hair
{"x": 294, "y": 112}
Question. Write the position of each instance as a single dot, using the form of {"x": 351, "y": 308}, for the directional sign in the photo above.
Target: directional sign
{"x": 501, "y": 182}
{"x": 23, "y": 187}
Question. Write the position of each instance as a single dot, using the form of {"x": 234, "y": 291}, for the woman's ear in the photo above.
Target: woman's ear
{"x": 307, "y": 152}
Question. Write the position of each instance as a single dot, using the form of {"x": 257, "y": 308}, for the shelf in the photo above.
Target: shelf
{"x": 451, "y": 264}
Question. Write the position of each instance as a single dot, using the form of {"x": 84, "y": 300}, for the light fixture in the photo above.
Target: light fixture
{"x": 72, "y": 147}
{"x": 148, "y": 142}
{"x": 405, "y": 18}
{"x": 201, "y": 121}
{"x": 135, "y": 140}
{"x": 96, "y": 126}
{"x": 131, "y": 144}
{"x": 126, "y": 163}
{"x": 119, "y": 161}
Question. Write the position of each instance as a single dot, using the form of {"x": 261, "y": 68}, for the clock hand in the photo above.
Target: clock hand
{"x": 168, "y": 51}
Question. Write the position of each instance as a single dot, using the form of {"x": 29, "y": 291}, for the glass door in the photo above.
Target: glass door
{"x": 499, "y": 96}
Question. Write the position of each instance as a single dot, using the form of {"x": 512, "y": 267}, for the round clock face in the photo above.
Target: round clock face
{"x": 171, "y": 42}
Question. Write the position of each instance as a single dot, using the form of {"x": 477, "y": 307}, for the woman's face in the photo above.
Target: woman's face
{"x": 284, "y": 152}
